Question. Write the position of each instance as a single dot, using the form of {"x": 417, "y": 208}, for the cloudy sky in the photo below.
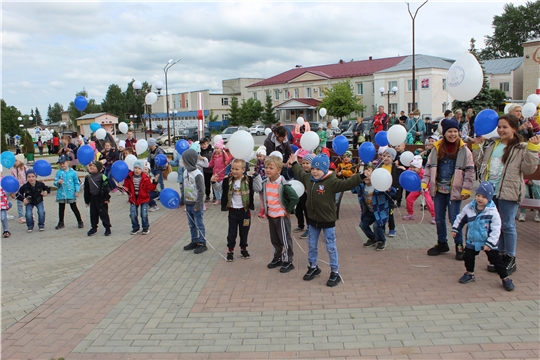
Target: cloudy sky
{"x": 51, "y": 50}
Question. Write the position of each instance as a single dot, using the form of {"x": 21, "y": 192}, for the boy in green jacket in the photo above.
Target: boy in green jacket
{"x": 321, "y": 187}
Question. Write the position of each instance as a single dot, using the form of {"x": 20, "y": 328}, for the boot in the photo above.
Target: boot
{"x": 511, "y": 266}
{"x": 459, "y": 252}
{"x": 59, "y": 226}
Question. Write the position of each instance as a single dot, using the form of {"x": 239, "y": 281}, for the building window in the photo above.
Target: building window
{"x": 360, "y": 89}
{"x": 393, "y": 108}
{"x": 276, "y": 94}
{"x": 254, "y": 95}
{"x": 373, "y": 87}
{"x": 296, "y": 93}
{"x": 504, "y": 86}
{"x": 444, "y": 84}
{"x": 224, "y": 116}
{"x": 321, "y": 94}
{"x": 410, "y": 107}
{"x": 308, "y": 92}
{"x": 287, "y": 94}
{"x": 409, "y": 85}
{"x": 391, "y": 84}
{"x": 225, "y": 101}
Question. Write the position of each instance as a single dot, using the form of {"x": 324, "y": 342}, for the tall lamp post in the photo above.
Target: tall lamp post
{"x": 169, "y": 65}
{"x": 173, "y": 113}
{"x": 389, "y": 94}
{"x": 413, "y": 17}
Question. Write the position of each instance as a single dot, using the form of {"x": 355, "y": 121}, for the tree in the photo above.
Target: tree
{"x": 3, "y": 143}
{"x": 27, "y": 144}
{"x": 114, "y": 102}
{"x": 135, "y": 100}
{"x": 268, "y": 115}
{"x": 54, "y": 113}
{"x": 250, "y": 111}
{"x": 212, "y": 117}
{"x": 498, "y": 97}
{"x": 340, "y": 100}
{"x": 234, "y": 112}
{"x": 38, "y": 117}
{"x": 9, "y": 119}
{"x": 514, "y": 27}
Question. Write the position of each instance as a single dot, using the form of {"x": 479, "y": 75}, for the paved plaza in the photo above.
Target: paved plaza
{"x": 66, "y": 295}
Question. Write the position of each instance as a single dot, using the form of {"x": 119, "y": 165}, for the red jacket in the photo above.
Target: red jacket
{"x": 380, "y": 123}
{"x": 145, "y": 187}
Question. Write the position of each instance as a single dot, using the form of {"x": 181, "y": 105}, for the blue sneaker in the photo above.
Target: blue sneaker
{"x": 392, "y": 233}
{"x": 467, "y": 278}
{"x": 305, "y": 235}
{"x": 508, "y": 284}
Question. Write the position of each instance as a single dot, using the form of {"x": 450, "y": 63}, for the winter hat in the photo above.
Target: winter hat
{"x": 152, "y": 142}
{"x": 195, "y": 146}
{"x": 30, "y": 171}
{"x": 301, "y": 153}
{"x": 219, "y": 145}
{"x": 20, "y": 157}
{"x": 382, "y": 149}
{"x": 348, "y": 153}
{"x": 277, "y": 153}
{"x": 449, "y": 124}
{"x": 309, "y": 158}
{"x": 321, "y": 162}
{"x": 261, "y": 150}
{"x": 416, "y": 161}
{"x": 63, "y": 158}
{"x": 434, "y": 137}
{"x": 122, "y": 143}
{"x": 486, "y": 188}
{"x": 146, "y": 165}
{"x": 190, "y": 157}
{"x": 98, "y": 165}
{"x": 391, "y": 152}
{"x": 138, "y": 164}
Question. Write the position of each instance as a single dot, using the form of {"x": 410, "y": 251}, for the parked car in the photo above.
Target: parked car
{"x": 159, "y": 131}
{"x": 161, "y": 139}
{"x": 257, "y": 130}
{"x": 314, "y": 126}
{"x": 193, "y": 134}
{"x": 367, "y": 129}
{"x": 345, "y": 125}
{"x": 227, "y": 133}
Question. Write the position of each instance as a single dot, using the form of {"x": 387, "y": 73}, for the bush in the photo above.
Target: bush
{"x": 27, "y": 144}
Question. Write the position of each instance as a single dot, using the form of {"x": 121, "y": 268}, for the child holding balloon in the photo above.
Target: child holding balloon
{"x": 97, "y": 197}
{"x": 259, "y": 168}
{"x": 218, "y": 163}
{"x": 31, "y": 194}
{"x": 388, "y": 158}
{"x": 5, "y": 205}
{"x": 68, "y": 185}
{"x": 18, "y": 171}
{"x": 416, "y": 166}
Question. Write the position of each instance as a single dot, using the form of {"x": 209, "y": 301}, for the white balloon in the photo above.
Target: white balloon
{"x": 123, "y": 127}
{"x": 406, "y": 158}
{"x": 396, "y": 135}
{"x": 506, "y": 108}
{"x": 298, "y": 187}
{"x": 129, "y": 160}
{"x": 141, "y": 146}
{"x": 492, "y": 135}
{"x": 309, "y": 141}
{"x": 300, "y": 121}
{"x": 533, "y": 98}
{"x": 536, "y": 182}
{"x": 465, "y": 78}
{"x": 528, "y": 110}
{"x": 172, "y": 177}
{"x": 277, "y": 153}
{"x": 322, "y": 112}
{"x": 150, "y": 98}
{"x": 267, "y": 131}
{"x": 241, "y": 144}
{"x": 381, "y": 179}
{"x": 335, "y": 123}
{"x": 217, "y": 138}
{"x": 101, "y": 133}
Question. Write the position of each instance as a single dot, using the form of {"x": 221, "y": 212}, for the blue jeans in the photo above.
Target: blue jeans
{"x": 331, "y": 248}
{"x": 160, "y": 179}
{"x": 20, "y": 207}
{"x": 153, "y": 195}
{"x": 4, "y": 220}
{"x": 508, "y": 238}
{"x": 133, "y": 214}
{"x": 196, "y": 224}
{"x": 366, "y": 220}
{"x": 442, "y": 202}
{"x": 41, "y": 215}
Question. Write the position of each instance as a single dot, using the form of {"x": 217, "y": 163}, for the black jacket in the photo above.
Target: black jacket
{"x": 104, "y": 194}
{"x": 33, "y": 193}
{"x": 207, "y": 154}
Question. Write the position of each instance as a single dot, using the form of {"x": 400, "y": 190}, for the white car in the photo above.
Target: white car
{"x": 227, "y": 133}
{"x": 257, "y": 130}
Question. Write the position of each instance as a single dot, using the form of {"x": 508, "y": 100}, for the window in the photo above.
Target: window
{"x": 393, "y": 107}
{"x": 287, "y": 94}
{"x": 504, "y": 86}
{"x": 444, "y": 84}
{"x": 296, "y": 93}
{"x": 360, "y": 89}
{"x": 308, "y": 92}
{"x": 224, "y": 116}
{"x": 254, "y": 95}
{"x": 276, "y": 94}
{"x": 391, "y": 84}
{"x": 321, "y": 94}
{"x": 410, "y": 108}
{"x": 225, "y": 101}
{"x": 373, "y": 90}
{"x": 409, "y": 85}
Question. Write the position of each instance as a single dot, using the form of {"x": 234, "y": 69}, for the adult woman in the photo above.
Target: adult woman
{"x": 464, "y": 126}
{"x": 450, "y": 174}
{"x": 504, "y": 162}
{"x": 417, "y": 127}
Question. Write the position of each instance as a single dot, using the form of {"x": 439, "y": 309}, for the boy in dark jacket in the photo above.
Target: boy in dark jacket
{"x": 321, "y": 188}
{"x": 388, "y": 158}
{"x": 97, "y": 197}
{"x": 31, "y": 194}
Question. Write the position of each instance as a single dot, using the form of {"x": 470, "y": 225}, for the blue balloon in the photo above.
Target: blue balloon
{"x": 42, "y": 168}
{"x": 8, "y": 159}
{"x": 294, "y": 148}
{"x": 410, "y": 181}
{"x": 169, "y": 198}
{"x": 340, "y": 144}
{"x": 10, "y": 184}
{"x": 94, "y": 126}
{"x": 485, "y": 122}
{"x": 181, "y": 146}
{"x": 85, "y": 154}
{"x": 381, "y": 138}
{"x": 160, "y": 160}
{"x": 119, "y": 170}
{"x": 367, "y": 152}
{"x": 80, "y": 103}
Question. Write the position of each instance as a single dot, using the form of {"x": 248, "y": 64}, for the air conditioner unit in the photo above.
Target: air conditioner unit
{"x": 315, "y": 90}
{"x": 280, "y": 90}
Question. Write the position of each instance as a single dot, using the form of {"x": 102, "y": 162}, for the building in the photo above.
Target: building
{"x": 531, "y": 68}
{"x": 106, "y": 120}
{"x": 505, "y": 75}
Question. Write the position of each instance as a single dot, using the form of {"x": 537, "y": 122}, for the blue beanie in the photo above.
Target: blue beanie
{"x": 449, "y": 124}
{"x": 486, "y": 188}
{"x": 321, "y": 162}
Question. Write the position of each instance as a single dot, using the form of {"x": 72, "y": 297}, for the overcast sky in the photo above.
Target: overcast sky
{"x": 51, "y": 50}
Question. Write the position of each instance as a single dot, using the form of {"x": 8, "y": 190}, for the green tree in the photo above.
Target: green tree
{"x": 515, "y": 26}
{"x": 115, "y": 102}
{"x": 498, "y": 96}
{"x": 38, "y": 117}
{"x": 27, "y": 143}
{"x": 340, "y": 100}
{"x": 135, "y": 100}
{"x": 3, "y": 143}
{"x": 9, "y": 119}
{"x": 250, "y": 111}
{"x": 212, "y": 117}
{"x": 54, "y": 113}
{"x": 268, "y": 115}
{"x": 234, "y": 112}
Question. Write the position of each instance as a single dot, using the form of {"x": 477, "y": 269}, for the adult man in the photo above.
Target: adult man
{"x": 131, "y": 141}
{"x": 357, "y": 131}
{"x": 153, "y": 151}
{"x": 380, "y": 121}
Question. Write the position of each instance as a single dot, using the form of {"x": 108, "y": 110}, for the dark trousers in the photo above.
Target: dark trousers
{"x": 493, "y": 256}
{"x": 355, "y": 141}
{"x": 239, "y": 222}
{"x": 207, "y": 184}
{"x": 280, "y": 236}
{"x": 98, "y": 211}
{"x": 301, "y": 211}
{"x": 366, "y": 220}
{"x": 62, "y": 210}
{"x": 391, "y": 220}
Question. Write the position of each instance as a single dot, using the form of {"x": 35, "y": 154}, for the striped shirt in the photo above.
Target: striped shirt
{"x": 275, "y": 209}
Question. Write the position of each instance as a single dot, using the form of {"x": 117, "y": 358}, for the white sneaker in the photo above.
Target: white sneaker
{"x": 10, "y": 217}
{"x": 521, "y": 217}
{"x": 153, "y": 208}
{"x": 537, "y": 216}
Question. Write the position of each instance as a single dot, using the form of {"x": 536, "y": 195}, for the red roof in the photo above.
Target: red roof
{"x": 307, "y": 101}
{"x": 334, "y": 71}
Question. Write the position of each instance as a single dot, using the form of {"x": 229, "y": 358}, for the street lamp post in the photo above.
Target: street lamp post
{"x": 413, "y": 17}
{"x": 173, "y": 113}
{"x": 169, "y": 65}
{"x": 389, "y": 94}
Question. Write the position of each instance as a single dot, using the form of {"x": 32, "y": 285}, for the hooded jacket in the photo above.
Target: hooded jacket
{"x": 380, "y": 203}
{"x": 70, "y": 185}
{"x": 145, "y": 187}
{"x": 193, "y": 190}
{"x": 483, "y": 228}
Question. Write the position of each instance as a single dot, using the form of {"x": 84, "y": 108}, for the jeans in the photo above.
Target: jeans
{"x": 160, "y": 179}
{"x": 508, "y": 238}
{"x": 153, "y": 195}
{"x": 366, "y": 220}
{"x": 20, "y": 207}
{"x": 442, "y": 202}
{"x": 4, "y": 220}
{"x": 41, "y": 215}
{"x": 133, "y": 214}
{"x": 331, "y": 248}
{"x": 196, "y": 224}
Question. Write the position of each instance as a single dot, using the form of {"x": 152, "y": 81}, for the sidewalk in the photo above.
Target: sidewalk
{"x": 140, "y": 297}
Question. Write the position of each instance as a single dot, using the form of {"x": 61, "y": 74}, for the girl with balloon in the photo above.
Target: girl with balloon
{"x": 218, "y": 163}
{"x": 503, "y": 162}
{"x": 67, "y": 182}
{"x": 5, "y": 205}
{"x": 416, "y": 166}
{"x": 18, "y": 171}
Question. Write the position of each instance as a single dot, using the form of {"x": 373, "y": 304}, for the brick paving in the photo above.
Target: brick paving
{"x": 143, "y": 297}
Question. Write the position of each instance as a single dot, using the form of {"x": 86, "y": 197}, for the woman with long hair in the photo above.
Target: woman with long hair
{"x": 504, "y": 162}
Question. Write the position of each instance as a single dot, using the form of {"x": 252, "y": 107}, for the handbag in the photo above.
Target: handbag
{"x": 166, "y": 172}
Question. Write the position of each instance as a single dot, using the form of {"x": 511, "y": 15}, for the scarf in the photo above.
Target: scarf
{"x": 244, "y": 192}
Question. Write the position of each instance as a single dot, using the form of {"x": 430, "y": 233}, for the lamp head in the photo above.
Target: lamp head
{"x": 381, "y": 90}
{"x": 394, "y": 89}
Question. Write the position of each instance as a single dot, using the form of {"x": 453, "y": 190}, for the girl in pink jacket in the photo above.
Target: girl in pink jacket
{"x": 218, "y": 163}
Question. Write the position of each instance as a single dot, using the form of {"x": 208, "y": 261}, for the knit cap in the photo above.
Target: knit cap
{"x": 277, "y": 153}
{"x": 19, "y": 157}
{"x": 321, "y": 162}
{"x": 261, "y": 150}
{"x": 30, "y": 171}
{"x": 219, "y": 145}
{"x": 348, "y": 153}
{"x": 416, "y": 161}
{"x": 152, "y": 142}
{"x": 98, "y": 165}
{"x": 391, "y": 152}
{"x": 486, "y": 188}
{"x": 309, "y": 158}
{"x": 138, "y": 164}
{"x": 449, "y": 124}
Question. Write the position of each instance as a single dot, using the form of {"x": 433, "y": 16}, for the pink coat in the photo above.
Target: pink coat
{"x": 219, "y": 162}
{"x": 19, "y": 174}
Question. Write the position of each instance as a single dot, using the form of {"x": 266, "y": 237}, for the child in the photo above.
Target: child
{"x": 31, "y": 194}
{"x": 346, "y": 168}
{"x": 109, "y": 155}
{"x": 401, "y": 167}
{"x": 206, "y": 151}
{"x": 138, "y": 186}
{"x": 301, "y": 209}
{"x": 416, "y": 166}
{"x": 259, "y": 168}
{"x": 321, "y": 187}
{"x": 152, "y": 205}
{"x": 322, "y": 136}
{"x": 5, "y": 205}
{"x": 18, "y": 171}
{"x": 279, "y": 201}
{"x": 193, "y": 195}
{"x": 97, "y": 197}
{"x": 68, "y": 185}
{"x": 375, "y": 207}
{"x": 237, "y": 197}
{"x": 218, "y": 163}
{"x": 430, "y": 142}
{"x": 483, "y": 230}
{"x": 388, "y": 157}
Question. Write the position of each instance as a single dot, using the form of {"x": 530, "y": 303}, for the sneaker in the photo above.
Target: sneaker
{"x": 10, "y": 217}
{"x": 22, "y": 220}
{"x": 41, "y": 229}
{"x": 305, "y": 235}
{"x": 245, "y": 254}
{"x": 29, "y": 230}
{"x": 153, "y": 208}
{"x": 207, "y": 199}
{"x": 146, "y": 231}
{"x": 107, "y": 232}
{"x": 200, "y": 249}
{"x": 298, "y": 229}
{"x": 91, "y": 232}
{"x": 334, "y": 279}
{"x": 217, "y": 202}
{"x": 230, "y": 256}
{"x": 370, "y": 242}
{"x": 467, "y": 278}
{"x": 134, "y": 231}
{"x": 537, "y": 216}
{"x": 311, "y": 273}
{"x": 392, "y": 233}
{"x": 459, "y": 252}
{"x": 60, "y": 226}
{"x": 408, "y": 217}
{"x": 274, "y": 263}
{"x": 381, "y": 245}
{"x": 286, "y": 267}
{"x": 6, "y": 234}
{"x": 522, "y": 217}
{"x": 80, "y": 224}
{"x": 433, "y": 222}
{"x": 508, "y": 284}
{"x": 190, "y": 246}
{"x": 438, "y": 249}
